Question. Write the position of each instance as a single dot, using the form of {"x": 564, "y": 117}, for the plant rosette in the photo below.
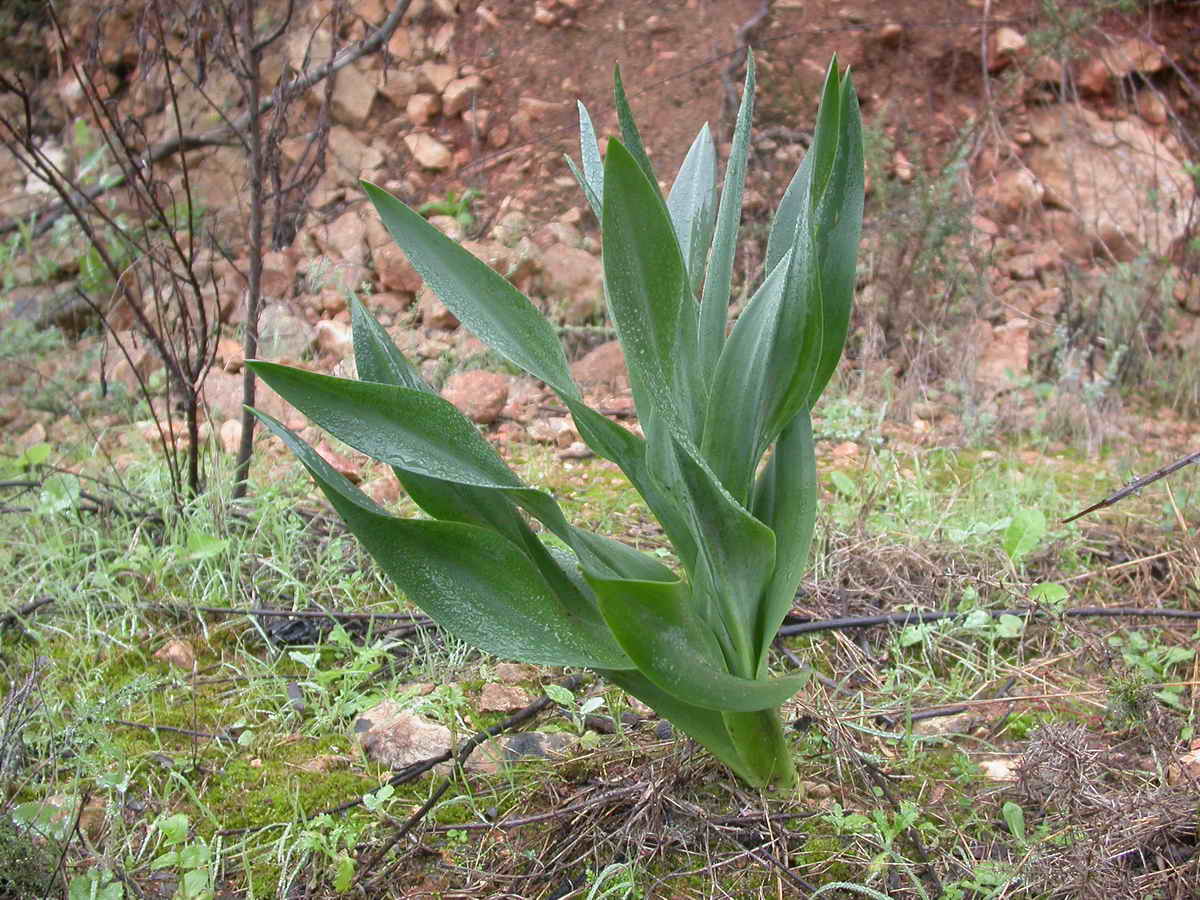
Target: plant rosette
{"x": 714, "y": 403}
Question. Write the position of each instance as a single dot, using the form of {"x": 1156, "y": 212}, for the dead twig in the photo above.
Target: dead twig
{"x": 1136, "y": 485}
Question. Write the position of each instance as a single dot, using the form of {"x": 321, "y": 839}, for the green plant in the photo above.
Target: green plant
{"x": 578, "y": 711}
{"x": 457, "y": 206}
{"x": 693, "y": 645}
{"x": 191, "y": 858}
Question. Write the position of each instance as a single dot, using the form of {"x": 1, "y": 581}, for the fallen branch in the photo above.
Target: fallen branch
{"x": 461, "y": 757}
{"x": 923, "y": 618}
{"x": 1136, "y": 485}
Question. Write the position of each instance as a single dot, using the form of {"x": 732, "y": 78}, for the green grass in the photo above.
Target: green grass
{"x": 901, "y": 526}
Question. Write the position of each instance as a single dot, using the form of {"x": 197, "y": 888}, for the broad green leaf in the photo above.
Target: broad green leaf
{"x": 705, "y": 726}
{"x": 630, "y": 135}
{"x": 655, "y": 625}
{"x": 785, "y": 500}
{"x": 692, "y": 205}
{"x": 482, "y": 299}
{"x": 1014, "y": 818}
{"x": 1010, "y": 626}
{"x": 1024, "y": 532}
{"x": 762, "y": 744}
{"x": 648, "y": 295}
{"x": 714, "y": 309}
{"x": 378, "y": 359}
{"x": 470, "y": 580}
{"x": 746, "y": 393}
{"x": 736, "y": 556}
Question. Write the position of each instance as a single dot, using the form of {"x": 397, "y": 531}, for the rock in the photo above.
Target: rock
{"x": 222, "y": 397}
{"x": 1134, "y": 55}
{"x": 346, "y": 238}
{"x": 602, "y": 369}
{"x": 434, "y": 313}
{"x": 178, "y": 653}
{"x": 1004, "y": 45}
{"x": 231, "y": 436}
{"x": 278, "y": 274}
{"x": 393, "y": 269}
{"x": 281, "y": 333}
{"x": 333, "y": 338}
{"x": 398, "y": 84}
{"x": 389, "y": 304}
{"x": 478, "y": 120}
{"x": 576, "y": 450}
{"x": 434, "y": 77}
{"x": 340, "y": 463}
{"x": 478, "y": 395}
{"x": 514, "y": 673}
{"x": 460, "y": 94}
{"x": 1151, "y": 106}
{"x": 428, "y": 151}
{"x": 353, "y": 95}
{"x": 1045, "y": 70}
{"x": 384, "y": 490}
{"x": 395, "y": 738}
{"x": 1093, "y": 76}
{"x": 1103, "y": 172}
{"x": 353, "y": 158}
{"x": 422, "y": 109}
{"x": 496, "y": 753}
{"x": 502, "y": 698}
{"x": 1002, "y": 352}
{"x": 1012, "y": 196}
{"x": 575, "y": 278}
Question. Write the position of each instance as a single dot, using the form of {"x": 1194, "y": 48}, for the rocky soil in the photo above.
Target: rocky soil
{"x": 1066, "y": 154}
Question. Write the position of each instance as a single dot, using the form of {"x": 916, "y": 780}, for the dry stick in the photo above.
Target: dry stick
{"x": 542, "y": 817}
{"x": 921, "y": 618}
{"x": 9, "y": 619}
{"x": 412, "y": 618}
{"x": 171, "y": 728}
{"x": 524, "y": 715}
{"x": 1137, "y": 484}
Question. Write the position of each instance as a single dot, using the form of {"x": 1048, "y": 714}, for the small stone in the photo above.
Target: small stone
{"x": 502, "y": 698}
{"x": 602, "y": 369}
{"x": 422, "y": 109}
{"x": 902, "y": 168}
{"x": 576, "y": 450}
{"x": 231, "y": 436}
{"x": 435, "y": 76}
{"x": 34, "y": 434}
{"x": 178, "y": 653}
{"x": 435, "y": 313}
{"x": 1152, "y": 107}
{"x": 543, "y": 16}
{"x": 514, "y": 673}
{"x": 1003, "y": 46}
{"x": 229, "y": 355}
{"x": 334, "y": 338}
{"x": 460, "y": 93}
{"x": 428, "y": 151}
{"x": 478, "y": 394}
{"x": 395, "y": 738}
{"x": 478, "y": 120}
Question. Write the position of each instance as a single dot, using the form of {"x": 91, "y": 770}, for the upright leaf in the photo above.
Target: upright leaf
{"x": 714, "y": 309}
{"x": 630, "y": 136}
{"x": 654, "y": 623}
{"x": 785, "y": 500}
{"x": 648, "y": 293}
{"x": 692, "y": 204}
{"x": 591, "y": 179}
